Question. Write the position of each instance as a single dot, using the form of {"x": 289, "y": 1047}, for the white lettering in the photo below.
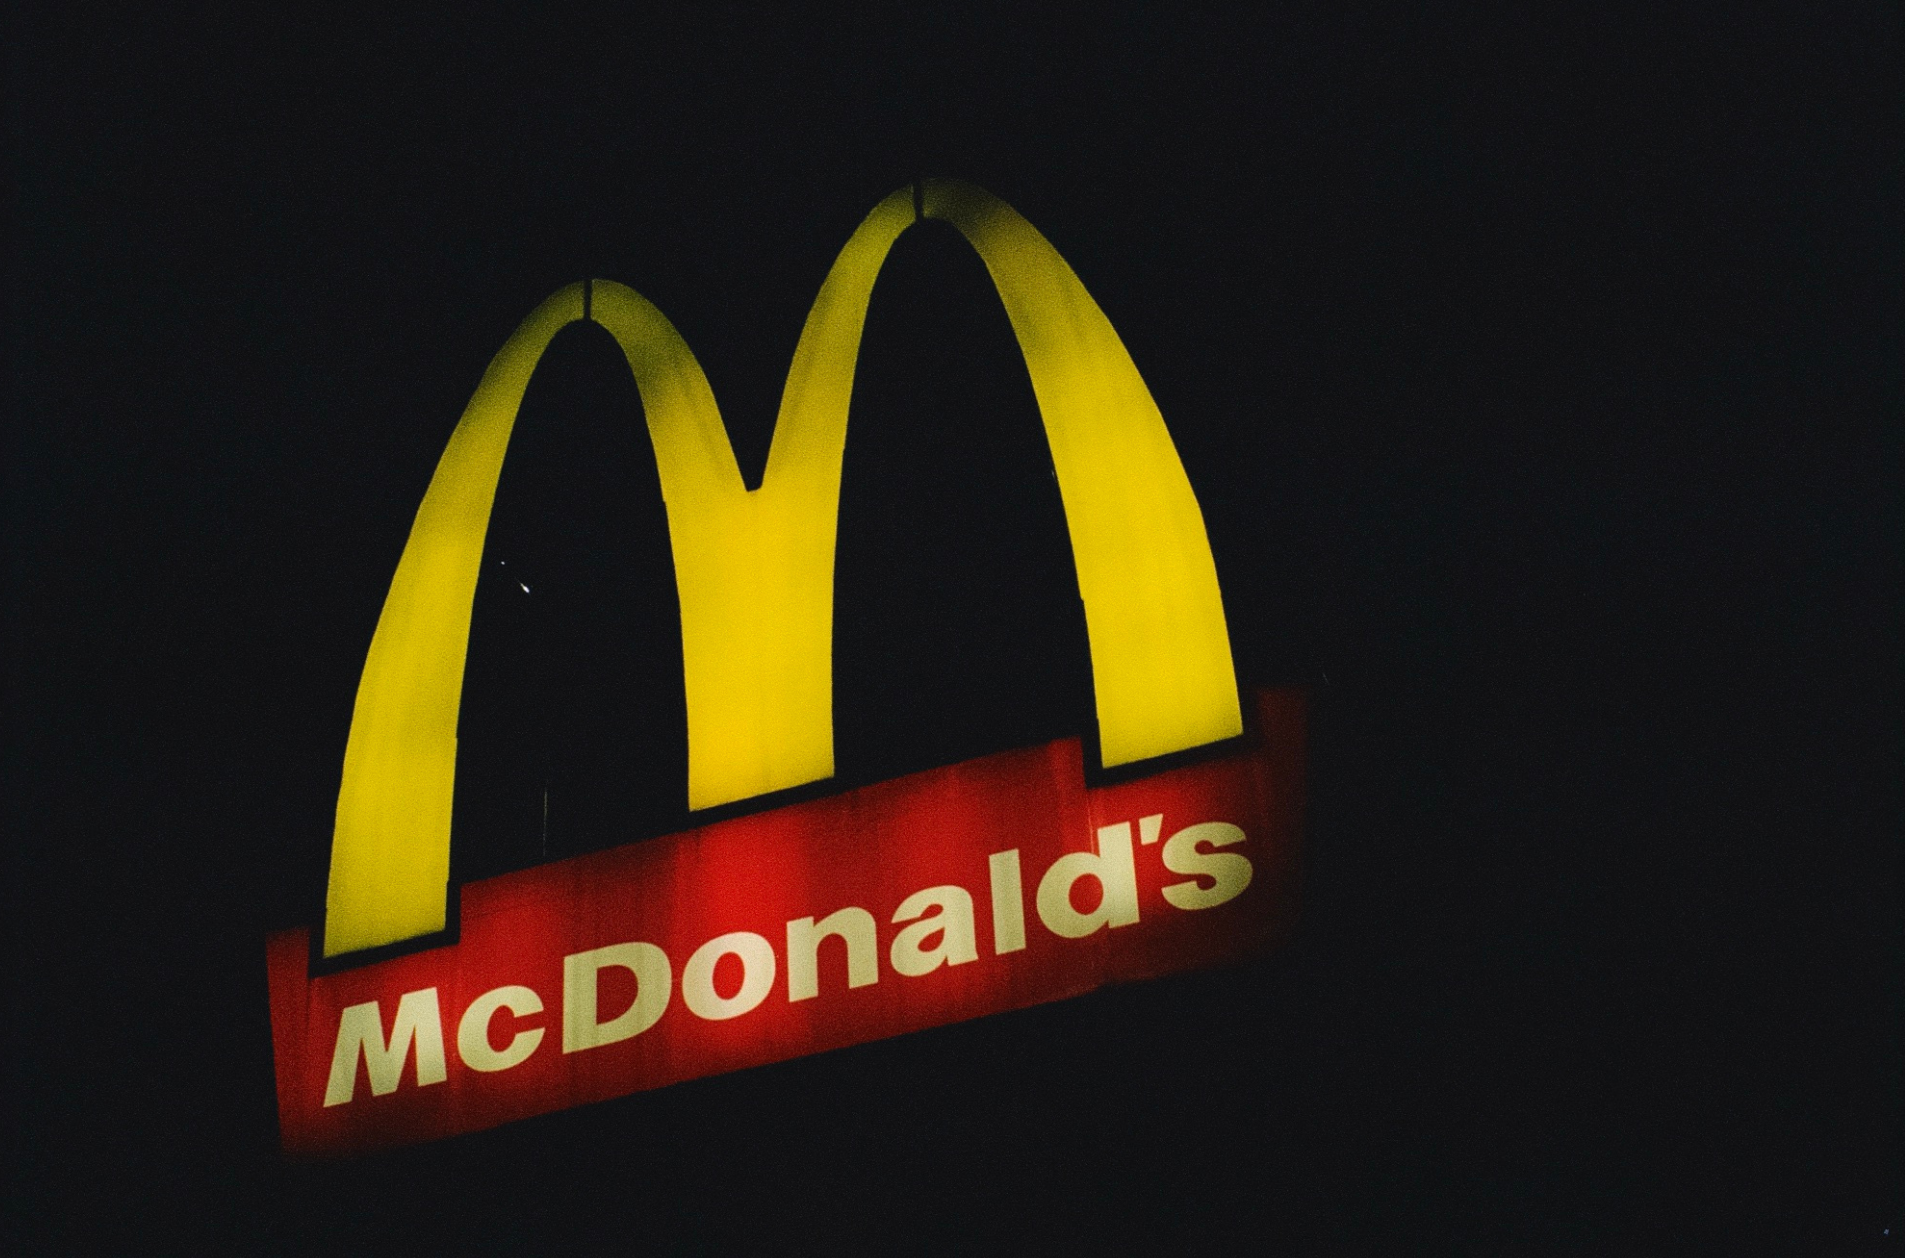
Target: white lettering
{"x": 953, "y": 924}
{"x": 654, "y": 984}
{"x": 1008, "y": 902}
{"x": 852, "y": 925}
{"x": 472, "y": 1033}
{"x": 1229, "y": 872}
{"x": 757, "y": 975}
{"x": 360, "y": 1033}
{"x": 1117, "y": 877}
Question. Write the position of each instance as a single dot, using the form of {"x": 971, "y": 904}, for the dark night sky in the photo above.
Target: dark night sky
{"x": 1539, "y": 381}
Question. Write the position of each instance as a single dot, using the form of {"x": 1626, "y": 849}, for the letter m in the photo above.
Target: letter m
{"x": 360, "y": 1032}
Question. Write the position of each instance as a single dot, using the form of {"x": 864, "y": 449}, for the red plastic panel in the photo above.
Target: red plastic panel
{"x": 1188, "y": 867}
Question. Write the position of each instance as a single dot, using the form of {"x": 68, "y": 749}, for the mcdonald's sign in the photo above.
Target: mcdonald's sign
{"x": 1007, "y": 881}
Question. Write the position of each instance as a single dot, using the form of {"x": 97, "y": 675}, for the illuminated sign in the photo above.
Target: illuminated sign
{"x": 1003, "y": 882}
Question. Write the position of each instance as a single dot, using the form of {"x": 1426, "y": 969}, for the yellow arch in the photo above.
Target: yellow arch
{"x": 754, "y": 569}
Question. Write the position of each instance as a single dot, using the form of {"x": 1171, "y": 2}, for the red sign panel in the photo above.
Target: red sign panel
{"x": 992, "y": 885}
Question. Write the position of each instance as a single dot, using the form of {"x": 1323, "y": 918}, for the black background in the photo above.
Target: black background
{"x": 1539, "y": 380}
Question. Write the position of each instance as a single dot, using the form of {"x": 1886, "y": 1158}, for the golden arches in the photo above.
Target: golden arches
{"x": 390, "y": 850}
{"x": 755, "y": 568}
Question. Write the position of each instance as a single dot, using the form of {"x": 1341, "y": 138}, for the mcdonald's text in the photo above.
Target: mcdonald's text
{"x": 974, "y": 889}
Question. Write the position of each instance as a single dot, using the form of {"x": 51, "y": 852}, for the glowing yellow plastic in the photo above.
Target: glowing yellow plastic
{"x": 1160, "y": 650}
{"x": 390, "y": 852}
{"x": 755, "y": 568}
